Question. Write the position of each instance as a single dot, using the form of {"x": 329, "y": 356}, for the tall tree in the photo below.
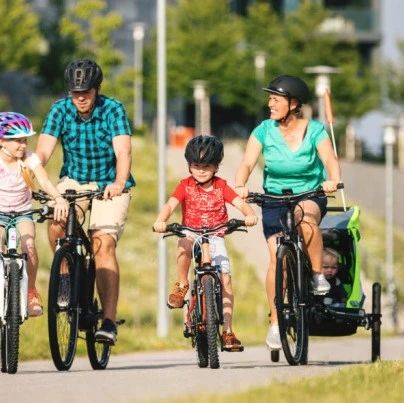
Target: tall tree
{"x": 90, "y": 27}
{"x": 20, "y": 39}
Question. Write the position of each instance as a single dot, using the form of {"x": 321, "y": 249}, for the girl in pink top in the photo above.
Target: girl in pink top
{"x": 16, "y": 168}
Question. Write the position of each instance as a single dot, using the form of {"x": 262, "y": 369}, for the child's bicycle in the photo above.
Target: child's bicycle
{"x": 14, "y": 289}
{"x": 205, "y": 309}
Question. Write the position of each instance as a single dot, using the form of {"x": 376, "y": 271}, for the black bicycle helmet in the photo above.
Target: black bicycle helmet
{"x": 204, "y": 149}
{"x": 82, "y": 75}
{"x": 290, "y": 87}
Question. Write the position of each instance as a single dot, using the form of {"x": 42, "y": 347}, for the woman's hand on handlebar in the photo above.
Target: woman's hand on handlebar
{"x": 160, "y": 226}
{"x": 250, "y": 220}
{"x": 241, "y": 191}
{"x": 330, "y": 186}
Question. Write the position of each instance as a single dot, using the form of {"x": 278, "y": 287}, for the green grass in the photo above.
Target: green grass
{"x": 380, "y": 382}
{"x": 137, "y": 253}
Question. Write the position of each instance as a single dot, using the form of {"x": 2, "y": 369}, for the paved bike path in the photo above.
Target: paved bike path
{"x": 169, "y": 375}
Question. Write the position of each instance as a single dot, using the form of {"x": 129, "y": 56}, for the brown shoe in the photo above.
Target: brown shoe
{"x": 34, "y": 303}
{"x": 230, "y": 342}
{"x": 176, "y": 298}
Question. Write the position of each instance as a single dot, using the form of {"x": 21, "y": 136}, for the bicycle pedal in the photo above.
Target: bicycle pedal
{"x": 120, "y": 322}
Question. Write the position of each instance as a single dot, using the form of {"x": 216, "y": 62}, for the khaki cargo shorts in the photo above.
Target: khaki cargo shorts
{"x": 108, "y": 216}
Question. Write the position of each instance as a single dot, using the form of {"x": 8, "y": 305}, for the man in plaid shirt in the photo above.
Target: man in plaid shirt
{"x": 95, "y": 136}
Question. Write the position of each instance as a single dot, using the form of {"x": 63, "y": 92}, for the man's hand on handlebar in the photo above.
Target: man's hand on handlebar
{"x": 113, "y": 189}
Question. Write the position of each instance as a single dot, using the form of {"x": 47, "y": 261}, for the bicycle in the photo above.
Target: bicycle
{"x": 205, "y": 310}
{"x": 72, "y": 301}
{"x": 292, "y": 279}
{"x": 14, "y": 289}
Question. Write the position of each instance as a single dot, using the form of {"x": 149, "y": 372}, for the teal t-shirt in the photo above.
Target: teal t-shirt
{"x": 300, "y": 170}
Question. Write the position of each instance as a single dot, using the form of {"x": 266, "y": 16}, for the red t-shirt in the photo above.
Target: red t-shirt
{"x": 201, "y": 208}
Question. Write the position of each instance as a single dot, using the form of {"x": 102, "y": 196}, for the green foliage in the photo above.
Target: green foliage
{"x": 379, "y": 382}
{"x": 89, "y": 26}
{"x": 395, "y": 76}
{"x": 205, "y": 41}
{"x": 20, "y": 40}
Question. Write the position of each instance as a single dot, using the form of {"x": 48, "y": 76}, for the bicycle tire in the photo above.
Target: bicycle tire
{"x": 292, "y": 316}
{"x": 10, "y": 334}
{"x": 98, "y": 353}
{"x": 62, "y": 310}
{"x": 212, "y": 323}
{"x": 376, "y": 322}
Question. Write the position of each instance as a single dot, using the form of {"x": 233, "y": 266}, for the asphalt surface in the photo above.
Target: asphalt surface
{"x": 169, "y": 375}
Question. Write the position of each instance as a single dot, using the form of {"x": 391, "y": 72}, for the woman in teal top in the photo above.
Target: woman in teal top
{"x": 298, "y": 155}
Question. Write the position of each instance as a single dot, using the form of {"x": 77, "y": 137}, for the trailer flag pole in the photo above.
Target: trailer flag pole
{"x": 330, "y": 119}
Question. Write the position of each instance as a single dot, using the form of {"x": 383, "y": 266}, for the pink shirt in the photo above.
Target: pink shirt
{"x": 15, "y": 195}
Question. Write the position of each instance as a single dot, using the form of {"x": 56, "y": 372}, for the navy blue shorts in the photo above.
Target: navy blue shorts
{"x": 274, "y": 213}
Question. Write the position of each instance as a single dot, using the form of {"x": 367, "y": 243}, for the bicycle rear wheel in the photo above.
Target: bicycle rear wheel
{"x": 212, "y": 322}
{"x": 10, "y": 332}
{"x": 98, "y": 353}
{"x": 62, "y": 310}
{"x": 292, "y": 316}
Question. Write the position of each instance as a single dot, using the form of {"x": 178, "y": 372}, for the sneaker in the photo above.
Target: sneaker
{"x": 273, "y": 340}
{"x": 230, "y": 342}
{"x": 64, "y": 290}
{"x": 176, "y": 298}
{"x": 107, "y": 333}
{"x": 34, "y": 303}
{"x": 320, "y": 284}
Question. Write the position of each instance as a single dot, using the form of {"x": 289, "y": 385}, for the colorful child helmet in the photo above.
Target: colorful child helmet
{"x": 204, "y": 149}
{"x": 15, "y": 125}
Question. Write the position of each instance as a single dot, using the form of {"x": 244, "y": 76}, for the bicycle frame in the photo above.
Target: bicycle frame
{"x": 11, "y": 254}
{"x": 202, "y": 267}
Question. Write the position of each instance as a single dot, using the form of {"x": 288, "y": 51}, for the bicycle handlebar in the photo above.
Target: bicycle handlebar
{"x": 69, "y": 195}
{"x": 44, "y": 213}
{"x": 231, "y": 226}
{"x": 259, "y": 198}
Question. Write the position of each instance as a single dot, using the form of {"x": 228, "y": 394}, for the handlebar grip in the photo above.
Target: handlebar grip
{"x": 340, "y": 185}
{"x": 234, "y": 222}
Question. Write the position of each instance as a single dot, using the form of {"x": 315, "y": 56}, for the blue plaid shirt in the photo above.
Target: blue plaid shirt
{"x": 88, "y": 155}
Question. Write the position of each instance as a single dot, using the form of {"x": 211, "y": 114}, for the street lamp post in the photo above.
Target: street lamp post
{"x": 162, "y": 315}
{"x": 202, "y": 107}
{"x": 389, "y": 141}
{"x": 322, "y": 84}
{"x": 260, "y": 61}
{"x": 138, "y": 36}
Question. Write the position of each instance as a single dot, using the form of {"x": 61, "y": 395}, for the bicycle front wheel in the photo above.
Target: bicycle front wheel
{"x": 292, "y": 316}
{"x": 62, "y": 310}
{"x": 212, "y": 322}
{"x": 10, "y": 332}
{"x": 98, "y": 353}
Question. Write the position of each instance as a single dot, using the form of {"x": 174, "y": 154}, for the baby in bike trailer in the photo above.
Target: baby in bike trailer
{"x": 203, "y": 197}
{"x": 18, "y": 166}
{"x": 337, "y": 293}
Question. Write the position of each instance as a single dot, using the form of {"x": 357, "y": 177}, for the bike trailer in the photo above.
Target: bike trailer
{"x": 341, "y": 232}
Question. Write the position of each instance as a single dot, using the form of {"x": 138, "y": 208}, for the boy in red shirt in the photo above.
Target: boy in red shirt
{"x": 203, "y": 197}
